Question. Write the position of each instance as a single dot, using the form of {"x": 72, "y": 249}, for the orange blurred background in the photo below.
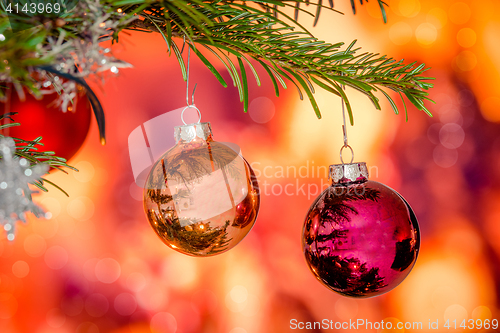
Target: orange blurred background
{"x": 96, "y": 266}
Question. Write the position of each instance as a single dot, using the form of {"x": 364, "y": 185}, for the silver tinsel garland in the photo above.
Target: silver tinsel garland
{"x": 15, "y": 195}
{"x": 85, "y": 52}
{"x": 82, "y": 57}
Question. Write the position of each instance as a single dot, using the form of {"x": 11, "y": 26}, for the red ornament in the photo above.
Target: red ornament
{"x": 61, "y": 132}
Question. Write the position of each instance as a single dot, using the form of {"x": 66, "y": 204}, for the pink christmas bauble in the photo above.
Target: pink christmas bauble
{"x": 360, "y": 237}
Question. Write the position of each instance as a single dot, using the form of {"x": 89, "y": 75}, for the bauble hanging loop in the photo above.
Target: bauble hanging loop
{"x": 192, "y": 106}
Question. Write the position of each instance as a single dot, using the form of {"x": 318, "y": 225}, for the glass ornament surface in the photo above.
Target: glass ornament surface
{"x": 201, "y": 197}
{"x": 360, "y": 237}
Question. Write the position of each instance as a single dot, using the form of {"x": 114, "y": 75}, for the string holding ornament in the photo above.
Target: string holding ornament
{"x": 360, "y": 238}
{"x": 344, "y": 130}
{"x": 189, "y": 105}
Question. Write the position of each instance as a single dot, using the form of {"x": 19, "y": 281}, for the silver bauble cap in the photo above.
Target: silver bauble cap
{"x": 189, "y": 132}
{"x": 348, "y": 173}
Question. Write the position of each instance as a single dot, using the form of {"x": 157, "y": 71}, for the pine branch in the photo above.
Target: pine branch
{"x": 29, "y": 151}
{"x": 235, "y": 32}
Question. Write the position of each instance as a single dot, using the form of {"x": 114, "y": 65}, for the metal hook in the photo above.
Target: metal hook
{"x": 187, "y": 80}
{"x": 183, "y": 43}
{"x": 344, "y": 130}
{"x": 352, "y": 154}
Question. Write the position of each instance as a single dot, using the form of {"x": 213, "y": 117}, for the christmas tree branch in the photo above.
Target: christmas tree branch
{"x": 29, "y": 151}
{"x": 286, "y": 52}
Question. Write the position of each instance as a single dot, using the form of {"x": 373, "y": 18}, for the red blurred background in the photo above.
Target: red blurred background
{"x": 96, "y": 265}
